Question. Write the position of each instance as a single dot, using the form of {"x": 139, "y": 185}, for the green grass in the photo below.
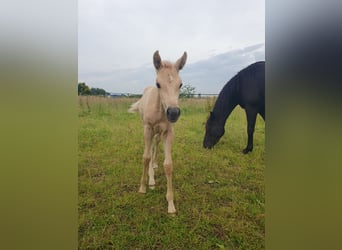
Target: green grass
{"x": 219, "y": 194}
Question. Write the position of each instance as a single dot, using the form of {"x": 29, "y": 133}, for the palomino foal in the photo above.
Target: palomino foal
{"x": 159, "y": 109}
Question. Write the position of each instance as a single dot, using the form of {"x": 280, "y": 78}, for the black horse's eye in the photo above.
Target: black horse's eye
{"x": 180, "y": 85}
{"x": 158, "y": 85}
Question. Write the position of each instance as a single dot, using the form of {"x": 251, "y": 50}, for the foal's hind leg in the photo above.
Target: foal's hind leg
{"x": 155, "y": 151}
{"x": 251, "y": 118}
{"x": 146, "y": 157}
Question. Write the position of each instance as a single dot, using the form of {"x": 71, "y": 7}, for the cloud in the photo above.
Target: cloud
{"x": 117, "y": 39}
{"x": 124, "y": 34}
{"x": 208, "y": 76}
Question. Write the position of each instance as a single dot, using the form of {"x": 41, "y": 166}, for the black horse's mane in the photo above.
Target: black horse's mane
{"x": 227, "y": 98}
{"x": 226, "y": 95}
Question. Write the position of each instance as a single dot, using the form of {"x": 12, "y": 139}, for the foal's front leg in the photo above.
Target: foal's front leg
{"x": 146, "y": 157}
{"x": 154, "y": 160}
{"x": 168, "y": 139}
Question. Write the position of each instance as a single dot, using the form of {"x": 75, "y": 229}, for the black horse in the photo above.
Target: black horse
{"x": 247, "y": 89}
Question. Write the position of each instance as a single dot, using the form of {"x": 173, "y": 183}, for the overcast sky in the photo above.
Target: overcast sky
{"x": 116, "y": 41}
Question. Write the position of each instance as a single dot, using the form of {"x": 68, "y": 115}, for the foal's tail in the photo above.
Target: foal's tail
{"x": 134, "y": 108}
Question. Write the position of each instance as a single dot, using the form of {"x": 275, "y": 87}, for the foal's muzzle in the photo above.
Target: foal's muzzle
{"x": 172, "y": 114}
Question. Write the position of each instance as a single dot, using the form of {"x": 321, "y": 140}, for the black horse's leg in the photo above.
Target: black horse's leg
{"x": 251, "y": 118}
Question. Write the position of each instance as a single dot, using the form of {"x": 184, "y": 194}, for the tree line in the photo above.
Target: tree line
{"x": 83, "y": 89}
{"x": 187, "y": 91}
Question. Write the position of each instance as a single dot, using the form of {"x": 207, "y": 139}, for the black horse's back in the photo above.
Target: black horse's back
{"x": 251, "y": 87}
{"x": 247, "y": 89}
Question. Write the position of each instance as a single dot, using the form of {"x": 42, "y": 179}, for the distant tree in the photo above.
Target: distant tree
{"x": 187, "y": 91}
{"x": 97, "y": 91}
{"x": 83, "y": 89}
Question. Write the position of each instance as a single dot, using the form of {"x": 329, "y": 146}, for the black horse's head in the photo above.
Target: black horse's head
{"x": 213, "y": 131}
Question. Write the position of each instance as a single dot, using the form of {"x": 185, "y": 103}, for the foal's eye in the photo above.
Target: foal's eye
{"x": 180, "y": 85}
{"x": 158, "y": 85}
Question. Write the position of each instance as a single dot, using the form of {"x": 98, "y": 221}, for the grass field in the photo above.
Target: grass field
{"x": 219, "y": 193}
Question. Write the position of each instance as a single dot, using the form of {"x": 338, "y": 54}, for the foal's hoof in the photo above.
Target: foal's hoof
{"x": 172, "y": 212}
{"x": 173, "y": 215}
{"x": 171, "y": 208}
{"x": 142, "y": 190}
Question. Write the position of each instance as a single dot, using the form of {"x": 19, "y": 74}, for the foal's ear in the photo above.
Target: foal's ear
{"x": 181, "y": 61}
{"x": 156, "y": 60}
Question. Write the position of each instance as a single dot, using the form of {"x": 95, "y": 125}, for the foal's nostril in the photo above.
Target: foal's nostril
{"x": 173, "y": 114}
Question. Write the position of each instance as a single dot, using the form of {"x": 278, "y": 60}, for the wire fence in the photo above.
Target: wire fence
{"x": 197, "y": 95}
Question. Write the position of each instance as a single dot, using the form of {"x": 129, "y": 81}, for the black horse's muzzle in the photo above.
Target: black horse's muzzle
{"x": 207, "y": 145}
